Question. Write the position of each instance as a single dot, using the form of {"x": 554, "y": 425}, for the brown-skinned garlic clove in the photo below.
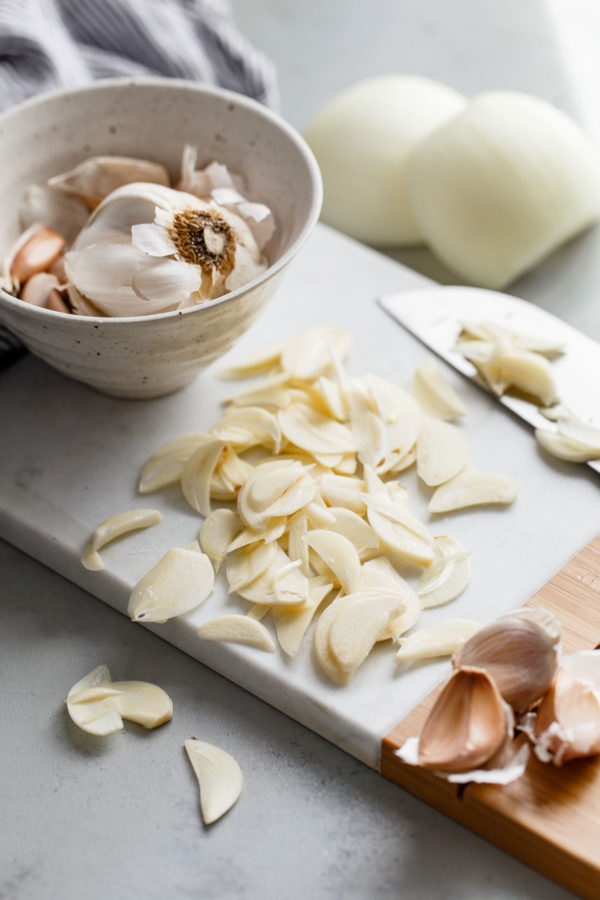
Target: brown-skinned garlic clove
{"x": 567, "y": 724}
{"x": 467, "y": 725}
{"x": 520, "y": 652}
{"x": 39, "y": 249}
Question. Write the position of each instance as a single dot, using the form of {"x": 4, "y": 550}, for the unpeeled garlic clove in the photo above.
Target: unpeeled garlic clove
{"x": 38, "y": 288}
{"x": 519, "y": 651}
{"x": 36, "y": 254}
{"x": 219, "y": 777}
{"x": 467, "y": 725}
{"x": 567, "y": 723}
{"x": 178, "y": 583}
{"x": 95, "y": 178}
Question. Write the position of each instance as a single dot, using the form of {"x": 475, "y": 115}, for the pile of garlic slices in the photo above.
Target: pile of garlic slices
{"x": 491, "y": 185}
{"x": 313, "y": 531}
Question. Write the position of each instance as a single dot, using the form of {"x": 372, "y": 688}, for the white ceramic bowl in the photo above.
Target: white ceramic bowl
{"x": 147, "y": 356}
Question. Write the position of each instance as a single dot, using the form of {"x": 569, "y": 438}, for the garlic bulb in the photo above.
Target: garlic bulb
{"x": 362, "y": 139}
{"x": 519, "y": 651}
{"x": 501, "y": 185}
{"x": 149, "y": 249}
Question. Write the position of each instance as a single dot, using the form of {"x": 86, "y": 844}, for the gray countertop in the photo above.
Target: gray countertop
{"x": 89, "y": 819}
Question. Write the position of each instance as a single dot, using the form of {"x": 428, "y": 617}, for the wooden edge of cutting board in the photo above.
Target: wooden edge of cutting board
{"x": 550, "y": 817}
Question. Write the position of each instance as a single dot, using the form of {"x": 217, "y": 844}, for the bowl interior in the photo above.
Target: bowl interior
{"x": 153, "y": 119}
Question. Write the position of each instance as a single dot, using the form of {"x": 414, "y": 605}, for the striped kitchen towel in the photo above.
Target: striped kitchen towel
{"x": 49, "y": 44}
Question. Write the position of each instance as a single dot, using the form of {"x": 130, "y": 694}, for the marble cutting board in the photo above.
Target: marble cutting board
{"x": 70, "y": 457}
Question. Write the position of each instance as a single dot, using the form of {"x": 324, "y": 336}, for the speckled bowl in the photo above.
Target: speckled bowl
{"x": 147, "y": 356}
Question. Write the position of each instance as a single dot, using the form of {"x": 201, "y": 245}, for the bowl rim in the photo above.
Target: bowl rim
{"x": 198, "y": 88}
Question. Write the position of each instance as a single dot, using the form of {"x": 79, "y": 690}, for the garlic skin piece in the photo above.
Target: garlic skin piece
{"x": 178, "y": 583}
{"x": 97, "y": 177}
{"x": 519, "y": 651}
{"x": 219, "y": 778}
{"x": 34, "y": 252}
{"x": 438, "y": 639}
{"x": 433, "y": 393}
{"x": 114, "y": 527}
{"x": 501, "y": 185}
{"x": 361, "y": 139}
{"x": 472, "y": 488}
{"x": 238, "y": 630}
{"x": 467, "y": 724}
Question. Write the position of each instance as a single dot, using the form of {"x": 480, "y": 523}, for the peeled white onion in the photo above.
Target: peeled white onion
{"x": 501, "y": 185}
{"x": 362, "y": 138}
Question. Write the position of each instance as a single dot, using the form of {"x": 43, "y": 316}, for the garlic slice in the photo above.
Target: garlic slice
{"x": 219, "y": 777}
{"x": 447, "y": 576}
{"x": 297, "y": 546}
{"x": 472, "y": 488}
{"x": 398, "y": 538}
{"x": 268, "y": 590}
{"x": 178, "y": 583}
{"x": 274, "y": 529}
{"x": 217, "y": 533}
{"x": 245, "y": 565}
{"x": 249, "y": 426}
{"x": 531, "y": 373}
{"x": 229, "y": 476}
{"x": 114, "y": 527}
{"x": 434, "y": 395}
{"x": 343, "y": 490}
{"x": 274, "y": 491}
{"x": 441, "y": 452}
{"x": 573, "y": 441}
{"x": 309, "y": 354}
{"x": 314, "y": 432}
{"x": 255, "y": 363}
{"x": 165, "y": 466}
{"x": 356, "y": 627}
{"x": 96, "y": 177}
{"x": 354, "y": 528}
{"x": 379, "y": 575}
{"x": 322, "y": 650}
{"x": 291, "y": 624}
{"x": 438, "y": 639}
{"x": 197, "y": 474}
{"x": 98, "y": 706}
{"x": 238, "y": 630}
{"x": 339, "y": 554}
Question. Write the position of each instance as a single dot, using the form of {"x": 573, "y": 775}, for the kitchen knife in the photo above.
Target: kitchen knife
{"x": 436, "y": 316}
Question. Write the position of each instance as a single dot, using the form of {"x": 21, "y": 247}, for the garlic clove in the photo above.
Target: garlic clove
{"x": 96, "y": 177}
{"x": 217, "y": 533}
{"x": 472, "y": 488}
{"x": 466, "y": 726}
{"x": 520, "y": 652}
{"x": 245, "y": 565}
{"x": 177, "y": 584}
{"x": 37, "y": 249}
{"x": 356, "y": 627}
{"x": 447, "y": 576}
{"x": 238, "y": 630}
{"x": 90, "y": 704}
{"x": 165, "y": 466}
{"x": 291, "y": 624}
{"x": 530, "y": 372}
{"x": 438, "y": 639}
{"x": 144, "y": 703}
{"x": 39, "y": 288}
{"x": 314, "y": 432}
{"x": 339, "y": 554}
{"x": 219, "y": 777}
{"x": 441, "y": 452}
{"x": 114, "y": 527}
{"x": 197, "y": 474}
{"x": 433, "y": 393}
{"x": 567, "y": 723}
{"x": 309, "y": 354}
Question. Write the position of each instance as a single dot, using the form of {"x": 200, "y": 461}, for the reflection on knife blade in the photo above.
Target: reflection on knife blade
{"x": 436, "y": 316}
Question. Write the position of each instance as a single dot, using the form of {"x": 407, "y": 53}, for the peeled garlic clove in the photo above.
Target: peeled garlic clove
{"x": 466, "y": 726}
{"x": 309, "y": 354}
{"x": 90, "y": 703}
{"x": 362, "y": 139}
{"x": 219, "y": 777}
{"x": 523, "y": 369}
{"x": 178, "y": 583}
{"x": 441, "y": 452}
{"x": 97, "y": 177}
{"x": 311, "y": 431}
{"x": 238, "y": 630}
{"x": 41, "y": 248}
{"x": 434, "y": 395}
{"x": 217, "y": 532}
{"x": 567, "y": 723}
{"x": 447, "y": 576}
{"x": 472, "y": 488}
{"x": 501, "y": 185}
{"x": 356, "y": 627}
{"x": 197, "y": 474}
{"x": 291, "y": 624}
{"x": 165, "y": 466}
{"x": 439, "y": 639}
{"x": 144, "y": 703}
{"x": 339, "y": 554}
{"x": 520, "y": 652}
{"x": 247, "y": 564}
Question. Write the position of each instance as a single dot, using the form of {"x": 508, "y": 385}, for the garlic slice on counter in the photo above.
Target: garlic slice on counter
{"x": 356, "y": 628}
{"x": 310, "y": 354}
{"x": 217, "y": 532}
{"x": 273, "y": 530}
{"x": 441, "y": 452}
{"x": 165, "y": 466}
{"x": 447, "y": 576}
{"x": 379, "y": 574}
{"x": 530, "y": 372}
{"x": 238, "y": 630}
{"x": 351, "y": 526}
{"x": 114, "y": 527}
{"x": 255, "y": 364}
{"x": 98, "y": 705}
{"x": 433, "y": 393}
{"x": 314, "y": 432}
{"x": 246, "y": 565}
{"x": 271, "y": 492}
{"x": 572, "y": 441}
{"x": 472, "y": 488}
{"x": 177, "y": 584}
{"x": 291, "y": 624}
{"x": 219, "y": 777}
{"x": 249, "y": 425}
{"x": 198, "y": 472}
{"x": 339, "y": 554}
{"x": 97, "y": 177}
{"x": 438, "y": 639}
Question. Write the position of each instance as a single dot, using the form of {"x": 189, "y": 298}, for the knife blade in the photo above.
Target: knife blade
{"x": 436, "y": 315}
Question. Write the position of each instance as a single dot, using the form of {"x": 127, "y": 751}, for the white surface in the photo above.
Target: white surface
{"x": 54, "y": 492}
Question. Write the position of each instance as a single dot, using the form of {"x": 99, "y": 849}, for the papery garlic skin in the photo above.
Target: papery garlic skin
{"x": 362, "y": 139}
{"x": 501, "y": 185}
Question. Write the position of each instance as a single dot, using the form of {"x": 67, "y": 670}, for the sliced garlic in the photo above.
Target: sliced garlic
{"x": 379, "y": 575}
{"x": 245, "y": 565}
{"x": 400, "y": 539}
{"x": 219, "y": 777}
{"x": 268, "y": 590}
{"x": 309, "y": 355}
{"x": 447, "y": 576}
{"x": 472, "y": 488}
{"x": 529, "y": 372}
{"x": 438, "y": 639}
{"x": 249, "y": 425}
{"x": 178, "y": 583}
{"x": 297, "y": 546}
{"x": 339, "y": 554}
{"x": 217, "y": 533}
{"x": 274, "y": 491}
{"x": 98, "y": 706}
{"x": 572, "y": 441}
{"x": 114, "y": 527}
{"x": 238, "y": 630}
{"x": 229, "y": 476}
{"x": 166, "y": 464}
{"x": 291, "y": 624}
{"x": 272, "y": 531}
{"x": 314, "y": 432}
{"x": 96, "y": 177}
{"x": 343, "y": 490}
{"x": 197, "y": 475}
{"x": 322, "y": 650}
{"x": 254, "y": 364}
{"x": 434, "y": 395}
{"x": 355, "y": 629}
{"x": 441, "y": 452}
{"x": 354, "y": 528}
